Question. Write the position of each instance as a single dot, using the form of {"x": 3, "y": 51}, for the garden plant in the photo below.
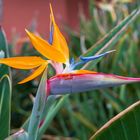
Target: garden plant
{"x": 65, "y": 75}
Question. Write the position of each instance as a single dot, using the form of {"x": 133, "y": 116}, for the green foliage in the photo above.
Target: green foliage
{"x": 124, "y": 126}
{"x": 52, "y": 108}
{"x": 5, "y": 91}
{"x": 110, "y": 39}
{"x": 38, "y": 109}
{"x": 4, "y": 48}
{"x": 5, "y": 106}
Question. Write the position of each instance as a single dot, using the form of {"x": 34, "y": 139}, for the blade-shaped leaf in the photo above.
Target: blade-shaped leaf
{"x": 124, "y": 126}
{"x": 26, "y": 124}
{"x": 4, "y": 48}
{"x": 55, "y": 106}
{"x": 38, "y": 107}
{"x": 110, "y": 39}
{"x": 49, "y": 103}
{"x": 5, "y": 106}
{"x": 52, "y": 106}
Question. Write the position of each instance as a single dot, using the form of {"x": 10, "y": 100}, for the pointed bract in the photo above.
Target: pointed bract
{"x": 74, "y": 82}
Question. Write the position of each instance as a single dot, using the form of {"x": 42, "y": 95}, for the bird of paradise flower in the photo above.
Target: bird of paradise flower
{"x": 67, "y": 79}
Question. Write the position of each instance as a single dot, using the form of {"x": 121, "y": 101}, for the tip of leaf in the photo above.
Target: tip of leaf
{"x": 111, "y": 51}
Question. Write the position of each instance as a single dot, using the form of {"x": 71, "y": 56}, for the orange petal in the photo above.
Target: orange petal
{"x": 27, "y": 62}
{"x": 76, "y": 72}
{"x": 37, "y": 72}
{"x": 45, "y": 48}
{"x": 58, "y": 39}
{"x": 83, "y": 72}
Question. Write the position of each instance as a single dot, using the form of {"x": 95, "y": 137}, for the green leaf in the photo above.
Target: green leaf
{"x": 3, "y": 42}
{"x": 84, "y": 121}
{"x": 4, "y": 48}
{"x": 54, "y": 107}
{"x": 48, "y": 104}
{"x": 110, "y": 39}
{"x": 124, "y": 126}
{"x": 48, "y": 113}
{"x": 5, "y": 106}
{"x": 38, "y": 108}
{"x": 20, "y": 135}
{"x": 26, "y": 124}
{"x": 5, "y": 90}
{"x": 116, "y": 102}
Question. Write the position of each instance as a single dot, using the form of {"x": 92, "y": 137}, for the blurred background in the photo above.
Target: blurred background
{"x": 16, "y": 15}
{"x": 83, "y": 22}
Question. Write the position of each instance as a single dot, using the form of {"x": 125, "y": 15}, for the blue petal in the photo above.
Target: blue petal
{"x": 72, "y": 61}
{"x": 51, "y": 35}
{"x": 87, "y": 59}
{"x": 73, "y": 66}
{"x": 95, "y": 57}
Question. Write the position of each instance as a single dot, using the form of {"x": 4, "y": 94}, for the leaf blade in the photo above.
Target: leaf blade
{"x": 38, "y": 107}
{"x": 5, "y": 106}
{"x": 109, "y": 39}
{"x": 4, "y": 48}
{"x": 122, "y": 126}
